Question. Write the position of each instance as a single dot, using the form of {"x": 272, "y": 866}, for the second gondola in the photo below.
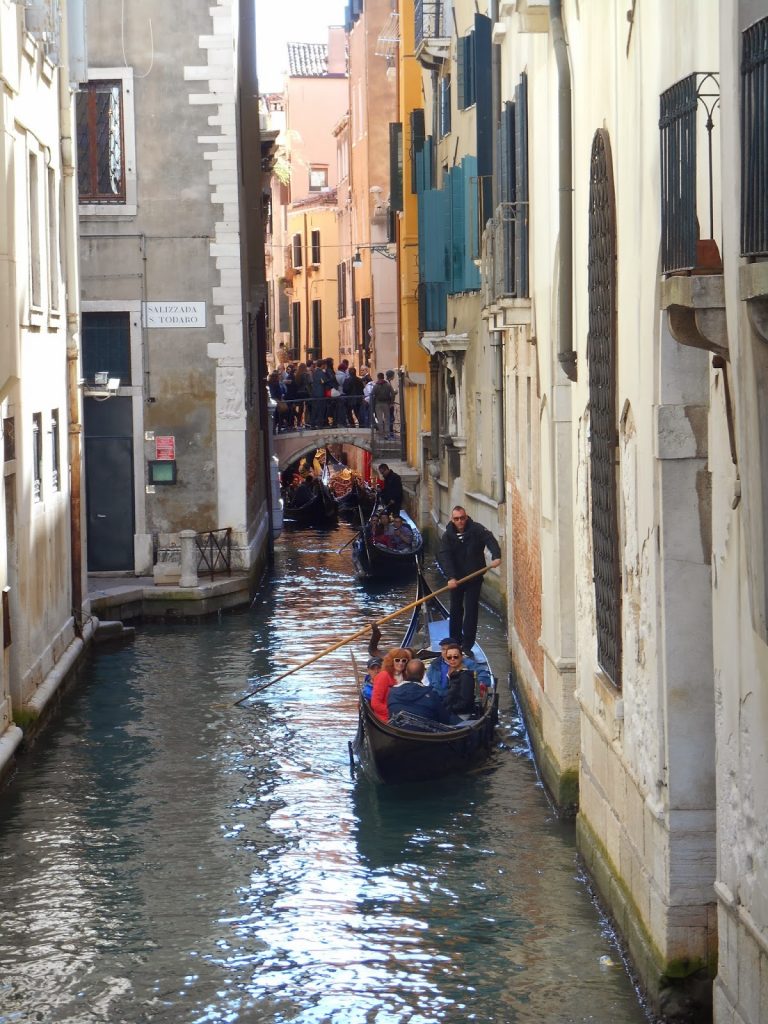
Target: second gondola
{"x": 387, "y": 546}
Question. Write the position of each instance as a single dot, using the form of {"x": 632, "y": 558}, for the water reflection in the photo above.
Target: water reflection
{"x": 166, "y": 857}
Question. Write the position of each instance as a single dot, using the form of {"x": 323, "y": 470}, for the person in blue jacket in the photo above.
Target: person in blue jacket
{"x": 437, "y": 673}
{"x": 413, "y": 697}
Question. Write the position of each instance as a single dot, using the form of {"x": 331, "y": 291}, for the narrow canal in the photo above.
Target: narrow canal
{"x": 167, "y": 857}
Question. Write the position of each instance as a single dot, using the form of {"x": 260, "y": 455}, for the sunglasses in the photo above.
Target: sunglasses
{"x": 453, "y": 657}
{"x": 399, "y": 659}
{"x": 458, "y": 519}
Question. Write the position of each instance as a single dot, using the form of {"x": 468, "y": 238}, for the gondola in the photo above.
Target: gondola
{"x": 397, "y": 752}
{"x": 349, "y": 489}
{"x": 321, "y": 509}
{"x": 373, "y": 559}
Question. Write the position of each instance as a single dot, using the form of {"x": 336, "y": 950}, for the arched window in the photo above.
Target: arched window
{"x": 601, "y": 358}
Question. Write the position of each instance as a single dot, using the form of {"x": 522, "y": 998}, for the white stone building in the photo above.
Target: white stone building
{"x": 41, "y": 572}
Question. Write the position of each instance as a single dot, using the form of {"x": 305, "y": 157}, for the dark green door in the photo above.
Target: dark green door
{"x": 109, "y": 492}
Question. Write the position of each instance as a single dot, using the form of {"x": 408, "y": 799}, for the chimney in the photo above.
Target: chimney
{"x": 337, "y": 50}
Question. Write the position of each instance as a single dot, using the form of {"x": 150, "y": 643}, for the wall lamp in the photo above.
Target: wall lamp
{"x": 383, "y": 250}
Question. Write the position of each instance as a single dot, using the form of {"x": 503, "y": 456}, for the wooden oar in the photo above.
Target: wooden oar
{"x": 352, "y": 541}
{"x": 360, "y": 632}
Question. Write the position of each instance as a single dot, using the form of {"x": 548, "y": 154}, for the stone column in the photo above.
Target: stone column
{"x": 188, "y": 559}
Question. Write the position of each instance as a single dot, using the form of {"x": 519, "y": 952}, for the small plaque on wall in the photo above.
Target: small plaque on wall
{"x": 165, "y": 447}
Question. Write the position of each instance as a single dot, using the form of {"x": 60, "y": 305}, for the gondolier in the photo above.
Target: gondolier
{"x": 462, "y": 551}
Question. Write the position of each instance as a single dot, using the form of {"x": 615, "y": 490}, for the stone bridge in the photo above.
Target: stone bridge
{"x": 290, "y": 445}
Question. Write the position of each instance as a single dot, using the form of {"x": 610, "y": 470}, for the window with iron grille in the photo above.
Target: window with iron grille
{"x": 601, "y": 357}
{"x": 37, "y": 456}
{"x": 34, "y": 230}
{"x": 100, "y": 142}
{"x": 315, "y": 248}
{"x": 754, "y": 140}
{"x": 55, "y": 451}
{"x": 9, "y": 439}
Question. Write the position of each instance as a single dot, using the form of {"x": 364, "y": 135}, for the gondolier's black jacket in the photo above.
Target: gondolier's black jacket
{"x": 461, "y": 554}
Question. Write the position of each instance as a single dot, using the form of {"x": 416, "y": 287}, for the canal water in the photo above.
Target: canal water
{"x": 168, "y": 857}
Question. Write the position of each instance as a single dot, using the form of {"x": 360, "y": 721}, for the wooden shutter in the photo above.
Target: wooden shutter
{"x": 395, "y": 166}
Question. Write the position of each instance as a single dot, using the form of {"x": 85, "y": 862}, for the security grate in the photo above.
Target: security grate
{"x": 601, "y": 356}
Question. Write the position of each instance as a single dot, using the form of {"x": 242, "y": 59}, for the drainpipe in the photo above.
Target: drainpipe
{"x": 72, "y": 294}
{"x": 497, "y": 337}
{"x": 566, "y": 353}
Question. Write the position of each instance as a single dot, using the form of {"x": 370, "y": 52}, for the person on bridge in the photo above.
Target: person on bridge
{"x": 391, "y": 494}
{"x": 317, "y": 411}
{"x": 382, "y": 397}
{"x": 352, "y": 389}
{"x": 462, "y": 551}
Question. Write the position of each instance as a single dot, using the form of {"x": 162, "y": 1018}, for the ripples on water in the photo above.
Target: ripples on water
{"x": 167, "y": 857}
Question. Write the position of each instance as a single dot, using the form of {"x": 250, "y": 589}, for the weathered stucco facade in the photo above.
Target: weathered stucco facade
{"x": 173, "y": 283}
{"x": 41, "y": 573}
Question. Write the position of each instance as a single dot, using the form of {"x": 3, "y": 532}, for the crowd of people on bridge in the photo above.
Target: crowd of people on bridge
{"x": 313, "y": 395}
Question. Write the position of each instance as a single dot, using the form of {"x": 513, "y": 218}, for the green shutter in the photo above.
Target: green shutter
{"x": 417, "y": 143}
{"x": 484, "y": 110}
{"x": 461, "y": 72}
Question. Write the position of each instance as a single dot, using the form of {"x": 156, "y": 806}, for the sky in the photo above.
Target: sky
{"x": 289, "y": 21}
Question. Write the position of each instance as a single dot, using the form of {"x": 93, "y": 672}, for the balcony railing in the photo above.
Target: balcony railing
{"x": 431, "y": 21}
{"x": 754, "y": 140}
{"x": 682, "y": 164}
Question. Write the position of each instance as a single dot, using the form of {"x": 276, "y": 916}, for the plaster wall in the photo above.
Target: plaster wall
{"x": 740, "y": 649}
{"x": 186, "y": 242}
{"x": 35, "y": 513}
{"x": 312, "y": 108}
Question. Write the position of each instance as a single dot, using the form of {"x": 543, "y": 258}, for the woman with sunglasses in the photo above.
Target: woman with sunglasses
{"x": 460, "y": 698}
{"x": 392, "y": 669}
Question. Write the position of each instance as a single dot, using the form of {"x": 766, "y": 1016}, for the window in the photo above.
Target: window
{"x": 55, "y": 451}
{"x": 106, "y": 145}
{"x": 317, "y": 325}
{"x": 34, "y": 230}
{"x": 315, "y": 248}
{"x": 417, "y": 144}
{"x": 366, "y": 329}
{"x": 341, "y": 287}
{"x": 754, "y": 152}
{"x": 395, "y": 166}
{"x": 296, "y": 327}
{"x": 297, "y": 252}
{"x": 37, "y": 457}
{"x": 107, "y": 345}
{"x": 9, "y": 439}
{"x": 100, "y": 143}
{"x": 603, "y": 430}
{"x": 318, "y": 178}
{"x": 444, "y": 122}
{"x": 53, "y": 239}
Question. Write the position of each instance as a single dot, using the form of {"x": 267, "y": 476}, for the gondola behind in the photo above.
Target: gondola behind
{"x": 373, "y": 560}
{"x": 397, "y": 752}
{"x": 321, "y": 509}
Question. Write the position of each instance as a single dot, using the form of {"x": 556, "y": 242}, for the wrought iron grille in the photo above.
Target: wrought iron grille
{"x": 214, "y": 552}
{"x": 679, "y": 107}
{"x": 601, "y": 356}
{"x": 754, "y": 140}
{"x": 430, "y": 20}
{"x": 9, "y": 439}
{"x": 100, "y": 147}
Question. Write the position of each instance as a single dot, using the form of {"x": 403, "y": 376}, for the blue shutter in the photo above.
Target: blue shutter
{"x": 484, "y": 111}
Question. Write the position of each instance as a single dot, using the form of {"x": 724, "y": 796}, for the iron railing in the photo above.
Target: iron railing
{"x": 680, "y": 224}
{"x": 754, "y": 140}
{"x": 430, "y": 20}
{"x": 214, "y": 552}
{"x": 506, "y": 255}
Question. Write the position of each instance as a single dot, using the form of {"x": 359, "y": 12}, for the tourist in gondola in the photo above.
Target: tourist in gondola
{"x": 392, "y": 668}
{"x": 391, "y": 494}
{"x": 304, "y": 492}
{"x": 462, "y": 551}
{"x": 412, "y": 697}
{"x": 437, "y": 672}
{"x": 460, "y": 697}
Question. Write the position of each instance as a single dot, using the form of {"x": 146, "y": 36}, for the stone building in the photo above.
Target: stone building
{"x": 172, "y": 268}
{"x": 44, "y": 620}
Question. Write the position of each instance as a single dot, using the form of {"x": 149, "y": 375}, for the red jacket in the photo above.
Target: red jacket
{"x": 382, "y": 684}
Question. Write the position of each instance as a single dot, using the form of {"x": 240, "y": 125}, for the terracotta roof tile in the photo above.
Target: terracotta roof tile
{"x": 307, "y": 60}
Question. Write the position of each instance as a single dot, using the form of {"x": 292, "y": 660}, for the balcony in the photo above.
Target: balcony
{"x": 433, "y": 33}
